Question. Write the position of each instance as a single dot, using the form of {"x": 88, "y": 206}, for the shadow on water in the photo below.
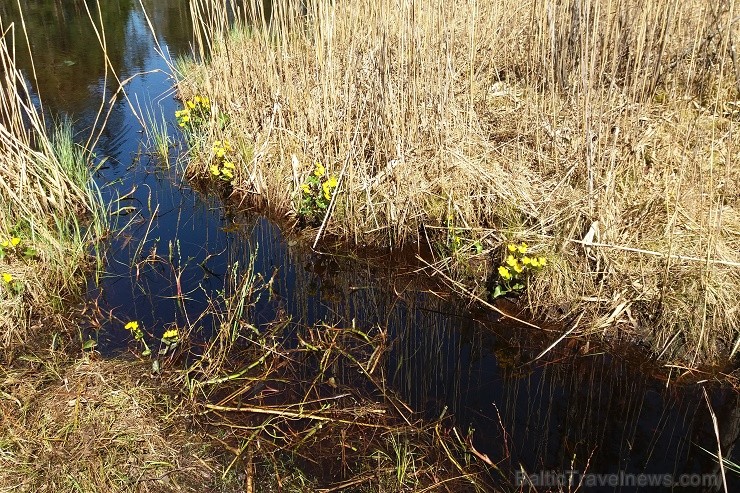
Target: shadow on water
{"x": 599, "y": 412}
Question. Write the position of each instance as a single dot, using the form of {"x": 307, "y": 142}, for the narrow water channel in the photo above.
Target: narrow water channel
{"x": 603, "y": 412}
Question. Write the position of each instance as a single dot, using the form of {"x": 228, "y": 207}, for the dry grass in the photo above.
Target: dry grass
{"x": 601, "y": 132}
{"x": 93, "y": 425}
{"x": 310, "y": 408}
{"x": 44, "y": 190}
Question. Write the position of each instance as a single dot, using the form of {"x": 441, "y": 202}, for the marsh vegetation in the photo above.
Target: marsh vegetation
{"x": 601, "y": 133}
{"x": 366, "y": 246}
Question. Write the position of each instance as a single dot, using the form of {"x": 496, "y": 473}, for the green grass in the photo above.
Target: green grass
{"x": 48, "y": 202}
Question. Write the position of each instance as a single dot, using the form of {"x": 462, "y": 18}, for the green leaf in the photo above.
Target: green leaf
{"x": 89, "y": 344}
{"x": 146, "y": 352}
{"x": 498, "y": 291}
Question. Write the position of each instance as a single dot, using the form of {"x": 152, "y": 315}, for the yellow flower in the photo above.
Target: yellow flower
{"x": 512, "y": 248}
{"x": 522, "y": 248}
{"x": 319, "y": 170}
{"x": 15, "y": 241}
{"x": 327, "y": 195}
{"x": 214, "y": 170}
{"x": 227, "y": 173}
{"x": 4, "y": 244}
{"x": 518, "y": 268}
{"x": 191, "y": 105}
{"x": 511, "y": 261}
{"x": 332, "y": 182}
{"x": 7, "y": 277}
{"x": 132, "y": 326}
{"x": 526, "y": 260}
{"x": 543, "y": 261}
{"x": 504, "y": 273}
{"x": 535, "y": 263}
{"x": 306, "y": 189}
{"x": 170, "y": 334}
{"x": 198, "y": 100}
{"x": 229, "y": 165}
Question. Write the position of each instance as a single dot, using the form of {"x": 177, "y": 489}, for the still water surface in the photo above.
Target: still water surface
{"x": 612, "y": 413}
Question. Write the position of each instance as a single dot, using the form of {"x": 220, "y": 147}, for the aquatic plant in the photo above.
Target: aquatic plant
{"x": 13, "y": 248}
{"x": 516, "y": 269}
{"x": 138, "y": 333}
{"x": 316, "y": 194}
{"x": 195, "y": 114}
{"x": 222, "y": 165}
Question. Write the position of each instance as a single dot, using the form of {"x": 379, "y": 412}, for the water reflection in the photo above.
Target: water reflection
{"x": 69, "y": 62}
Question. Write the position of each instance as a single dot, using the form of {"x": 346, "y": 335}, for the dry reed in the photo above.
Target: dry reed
{"x": 601, "y": 132}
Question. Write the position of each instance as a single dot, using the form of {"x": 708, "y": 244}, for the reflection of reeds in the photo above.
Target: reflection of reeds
{"x": 580, "y": 127}
{"x": 45, "y": 191}
{"x": 316, "y": 393}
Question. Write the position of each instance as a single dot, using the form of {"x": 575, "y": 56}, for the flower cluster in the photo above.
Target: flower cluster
{"x": 195, "y": 114}
{"x": 170, "y": 339}
{"x": 15, "y": 246}
{"x": 316, "y": 194}
{"x": 516, "y": 269}
{"x": 171, "y": 336}
{"x": 8, "y": 246}
{"x": 222, "y": 167}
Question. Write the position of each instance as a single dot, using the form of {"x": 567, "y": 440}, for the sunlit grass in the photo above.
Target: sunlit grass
{"x": 584, "y": 135}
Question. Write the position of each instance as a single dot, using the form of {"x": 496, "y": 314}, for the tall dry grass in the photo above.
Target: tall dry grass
{"x": 44, "y": 193}
{"x": 600, "y": 131}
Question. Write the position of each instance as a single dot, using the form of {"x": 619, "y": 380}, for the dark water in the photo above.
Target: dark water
{"x": 602, "y": 412}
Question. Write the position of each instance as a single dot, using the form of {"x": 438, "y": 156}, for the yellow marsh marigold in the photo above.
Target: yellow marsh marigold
{"x": 15, "y": 241}
{"x": 171, "y": 334}
{"x": 319, "y": 170}
{"x": 512, "y": 248}
{"x": 132, "y": 326}
{"x": 7, "y": 278}
{"x": 522, "y": 248}
{"x": 504, "y": 273}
